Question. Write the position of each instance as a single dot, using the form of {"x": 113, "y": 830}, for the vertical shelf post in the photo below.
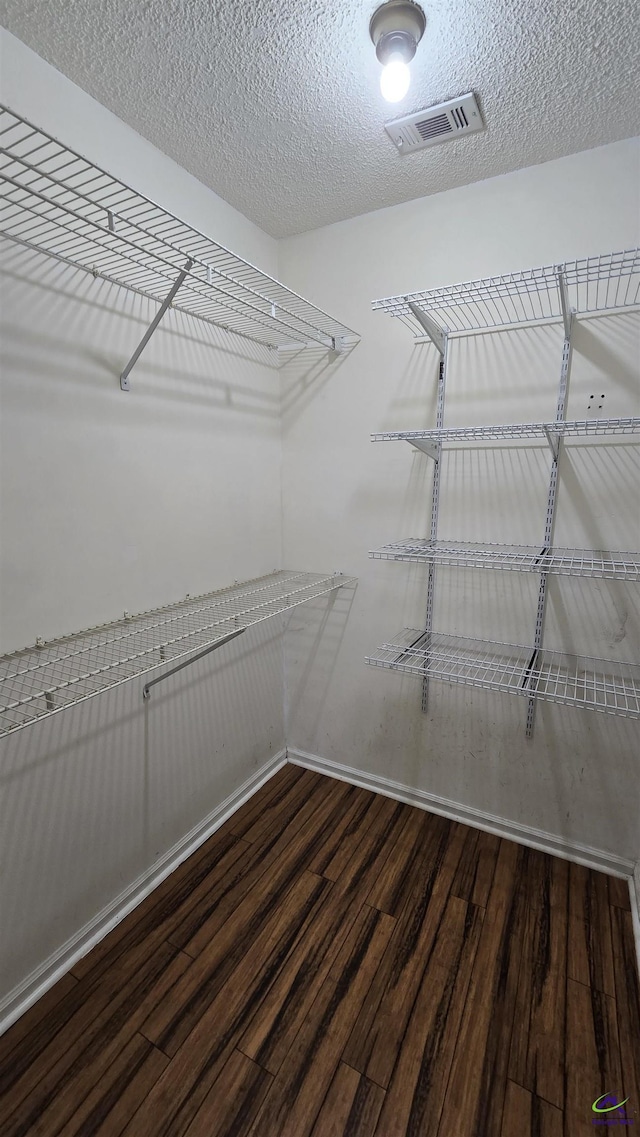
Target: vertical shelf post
{"x": 439, "y": 337}
{"x": 552, "y": 496}
{"x": 435, "y": 501}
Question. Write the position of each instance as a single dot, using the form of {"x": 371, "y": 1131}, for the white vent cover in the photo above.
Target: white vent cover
{"x": 437, "y": 124}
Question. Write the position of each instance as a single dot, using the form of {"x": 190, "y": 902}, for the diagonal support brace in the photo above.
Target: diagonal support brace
{"x": 567, "y": 311}
{"x": 554, "y": 442}
{"x": 124, "y": 378}
{"x": 432, "y": 449}
{"x": 435, "y": 333}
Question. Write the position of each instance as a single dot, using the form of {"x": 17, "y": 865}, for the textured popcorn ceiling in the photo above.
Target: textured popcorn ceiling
{"x": 275, "y": 104}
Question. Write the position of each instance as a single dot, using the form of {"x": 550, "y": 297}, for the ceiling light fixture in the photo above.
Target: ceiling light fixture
{"x": 396, "y": 29}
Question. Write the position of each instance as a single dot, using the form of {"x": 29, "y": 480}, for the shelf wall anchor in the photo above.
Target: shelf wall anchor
{"x": 124, "y": 378}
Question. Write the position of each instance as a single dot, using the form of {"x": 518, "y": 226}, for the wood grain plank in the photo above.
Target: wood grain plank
{"x": 221, "y": 849}
{"x": 18, "y": 1035}
{"x": 377, "y": 1034}
{"x": 189, "y": 895}
{"x": 76, "y": 1016}
{"x": 277, "y": 917}
{"x": 516, "y": 1117}
{"x": 347, "y": 848}
{"x": 46, "y": 1096}
{"x": 627, "y": 1006}
{"x": 527, "y": 1115}
{"x": 335, "y": 1110}
{"x": 179, "y": 1092}
{"x": 475, "y": 1097}
{"x": 274, "y": 790}
{"x": 279, "y": 810}
{"x": 592, "y": 1056}
{"x": 590, "y": 954}
{"x": 474, "y": 877}
{"x": 351, "y": 1108}
{"x": 295, "y": 1098}
{"x": 234, "y": 1100}
{"x": 538, "y": 1041}
{"x": 268, "y": 866}
{"x": 114, "y": 1099}
{"x": 388, "y": 893}
{"x": 417, "y": 1089}
{"x": 358, "y": 816}
{"x": 284, "y": 1009}
{"x": 619, "y": 895}
{"x": 172, "y": 1023}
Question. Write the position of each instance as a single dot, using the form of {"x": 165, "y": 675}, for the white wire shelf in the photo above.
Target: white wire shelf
{"x": 40, "y": 681}
{"x": 552, "y": 676}
{"x": 584, "y": 428}
{"x": 519, "y": 558}
{"x": 602, "y": 283}
{"x": 55, "y": 201}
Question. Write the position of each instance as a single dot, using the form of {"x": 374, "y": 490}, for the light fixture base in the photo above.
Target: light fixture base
{"x": 396, "y": 29}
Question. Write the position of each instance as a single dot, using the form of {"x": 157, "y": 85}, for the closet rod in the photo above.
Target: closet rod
{"x": 146, "y": 690}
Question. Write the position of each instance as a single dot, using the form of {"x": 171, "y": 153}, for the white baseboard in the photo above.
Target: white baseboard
{"x": 34, "y": 986}
{"x": 634, "y": 889}
{"x": 512, "y": 830}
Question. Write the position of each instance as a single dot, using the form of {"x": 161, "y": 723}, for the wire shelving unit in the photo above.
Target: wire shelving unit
{"x": 553, "y": 676}
{"x": 598, "y": 285}
{"x": 601, "y": 283}
{"x": 582, "y": 428}
{"x": 518, "y": 558}
{"x": 40, "y": 681}
{"x": 55, "y": 201}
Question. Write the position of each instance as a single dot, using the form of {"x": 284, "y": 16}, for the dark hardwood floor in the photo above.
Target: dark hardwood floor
{"x": 332, "y": 962}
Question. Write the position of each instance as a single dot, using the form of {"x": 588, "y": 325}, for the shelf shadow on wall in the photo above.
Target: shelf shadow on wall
{"x": 303, "y": 375}
{"x": 94, "y": 796}
{"x": 83, "y": 305}
{"x": 311, "y": 649}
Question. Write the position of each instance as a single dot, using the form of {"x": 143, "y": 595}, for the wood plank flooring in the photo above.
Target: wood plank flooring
{"x": 332, "y": 963}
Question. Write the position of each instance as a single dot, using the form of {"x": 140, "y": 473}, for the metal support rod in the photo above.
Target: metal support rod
{"x": 435, "y": 333}
{"x": 435, "y": 499}
{"x": 124, "y": 378}
{"x": 146, "y": 690}
{"x": 552, "y": 499}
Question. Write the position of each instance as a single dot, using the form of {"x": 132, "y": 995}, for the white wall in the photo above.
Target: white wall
{"x": 114, "y": 501}
{"x": 579, "y": 778}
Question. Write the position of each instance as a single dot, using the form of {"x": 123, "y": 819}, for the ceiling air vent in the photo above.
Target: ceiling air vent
{"x": 437, "y": 124}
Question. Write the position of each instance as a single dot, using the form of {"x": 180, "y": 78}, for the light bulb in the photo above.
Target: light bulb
{"x": 394, "y": 81}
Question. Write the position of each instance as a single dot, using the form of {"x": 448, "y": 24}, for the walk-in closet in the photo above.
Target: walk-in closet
{"x": 319, "y": 569}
